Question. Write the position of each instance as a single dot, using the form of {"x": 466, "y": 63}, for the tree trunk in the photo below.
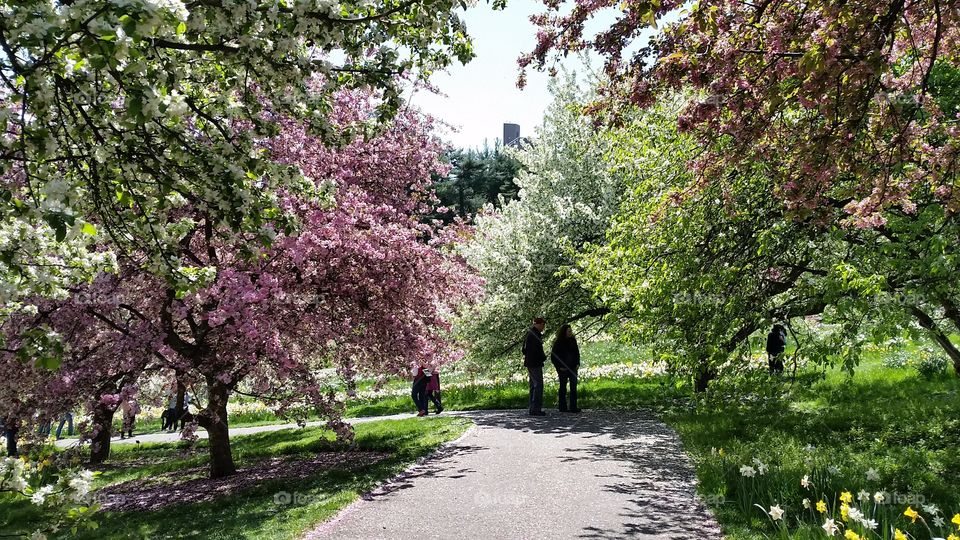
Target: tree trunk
{"x": 103, "y": 424}
{"x": 181, "y": 397}
{"x": 214, "y": 420}
{"x": 704, "y": 375}
{"x": 939, "y": 336}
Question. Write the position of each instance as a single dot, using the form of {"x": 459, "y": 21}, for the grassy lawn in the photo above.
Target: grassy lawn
{"x": 254, "y": 512}
{"x": 835, "y": 430}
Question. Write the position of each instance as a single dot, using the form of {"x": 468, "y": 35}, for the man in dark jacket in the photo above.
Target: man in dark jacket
{"x": 533, "y": 359}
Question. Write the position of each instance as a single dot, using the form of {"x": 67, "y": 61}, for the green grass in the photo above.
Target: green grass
{"x": 628, "y": 392}
{"x": 904, "y": 427}
{"x": 252, "y": 513}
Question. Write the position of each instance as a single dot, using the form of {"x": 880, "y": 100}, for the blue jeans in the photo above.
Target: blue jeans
{"x": 66, "y": 419}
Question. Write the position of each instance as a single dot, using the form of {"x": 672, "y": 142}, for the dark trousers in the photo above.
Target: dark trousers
{"x": 12, "y": 442}
{"x": 775, "y": 363}
{"x": 536, "y": 388}
{"x": 571, "y": 376}
{"x": 434, "y": 396}
{"x": 419, "y": 393}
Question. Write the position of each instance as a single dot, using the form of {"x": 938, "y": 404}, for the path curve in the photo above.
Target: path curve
{"x": 165, "y": 437}
{"x": 600, "y": 474}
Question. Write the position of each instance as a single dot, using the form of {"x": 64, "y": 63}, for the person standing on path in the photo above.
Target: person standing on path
{"x": 565, "y": 356}
{"x": 533, "y": 360}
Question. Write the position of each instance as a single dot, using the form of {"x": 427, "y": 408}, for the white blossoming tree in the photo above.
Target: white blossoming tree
{"x": 64, "y": 496}
{"x": 525, "y": 251}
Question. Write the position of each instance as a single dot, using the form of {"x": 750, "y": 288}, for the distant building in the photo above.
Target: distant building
{"x": 511, "y": 135}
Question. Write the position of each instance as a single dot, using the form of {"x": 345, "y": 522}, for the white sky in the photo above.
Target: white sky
{"x": 483, "y": 95}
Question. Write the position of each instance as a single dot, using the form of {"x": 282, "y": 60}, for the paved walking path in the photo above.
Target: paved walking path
{"x": 163, "y": 436}
{"x": 594, "y": 475}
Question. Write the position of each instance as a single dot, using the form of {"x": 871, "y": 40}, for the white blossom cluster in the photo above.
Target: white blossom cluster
{"x": 66, "y": 499}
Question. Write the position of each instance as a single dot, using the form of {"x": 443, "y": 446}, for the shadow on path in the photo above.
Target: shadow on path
{"x": 659, "y": 481}
{"x": 599, "y": 474}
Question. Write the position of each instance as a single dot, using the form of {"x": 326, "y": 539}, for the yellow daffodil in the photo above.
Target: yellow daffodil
{"x": 956, "y": 520}
{"x": 845, "y": 512}
{"x": 912, "y": 514}
{"x": 898, "y": 535}
{"x": 846, "y": 497}
{"x": 953, "y": 537}
{"x": 850, "y": 535}
{"x": 721, "y": 452}
{"x": 821, "y": 506}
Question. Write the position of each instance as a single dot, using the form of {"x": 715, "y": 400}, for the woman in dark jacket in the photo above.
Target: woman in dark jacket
{"x": 565, "y": 356}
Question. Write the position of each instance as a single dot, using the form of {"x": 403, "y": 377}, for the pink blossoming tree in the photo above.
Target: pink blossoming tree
{"x": 840, "y": 98}
{"x": 362, "y": 284}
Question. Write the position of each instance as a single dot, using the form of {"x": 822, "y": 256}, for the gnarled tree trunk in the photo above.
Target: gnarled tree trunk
{"x": 103, "y": 425}
{"x": 214, "y": 419}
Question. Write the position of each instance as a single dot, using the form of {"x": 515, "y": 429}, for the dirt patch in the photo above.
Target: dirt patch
{"x": 164, "y": 490}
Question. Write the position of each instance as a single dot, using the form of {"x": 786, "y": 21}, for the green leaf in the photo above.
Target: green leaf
{"x": 181, "y": 28}
{"x": 89, "y": 229}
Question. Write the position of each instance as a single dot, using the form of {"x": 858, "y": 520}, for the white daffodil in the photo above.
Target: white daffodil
{"x": 805, "y": 481}
{"x": 931, "y": 509}
{"x": 938, "y": 521}
{"x": 855, "y": 514}
{"x": 872, "y": 475}
{"x": 776, "y": 513}
{"x": 830, "y": 527}
{"x": 833, "y": 469}
{"x": 748, "y": 471}
{"x": 879, "y": 497}
{"x": 806, "y": 503}
{"x": 863, "y": 496}
{"x": 870, "y": 524}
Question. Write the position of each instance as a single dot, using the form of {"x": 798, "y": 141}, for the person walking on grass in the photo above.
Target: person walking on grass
{"x": 433, "y": 390}
{"x": 533, "y": 360}
{"x": 565, "y": 356}
{"x": 419, "y": 391}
